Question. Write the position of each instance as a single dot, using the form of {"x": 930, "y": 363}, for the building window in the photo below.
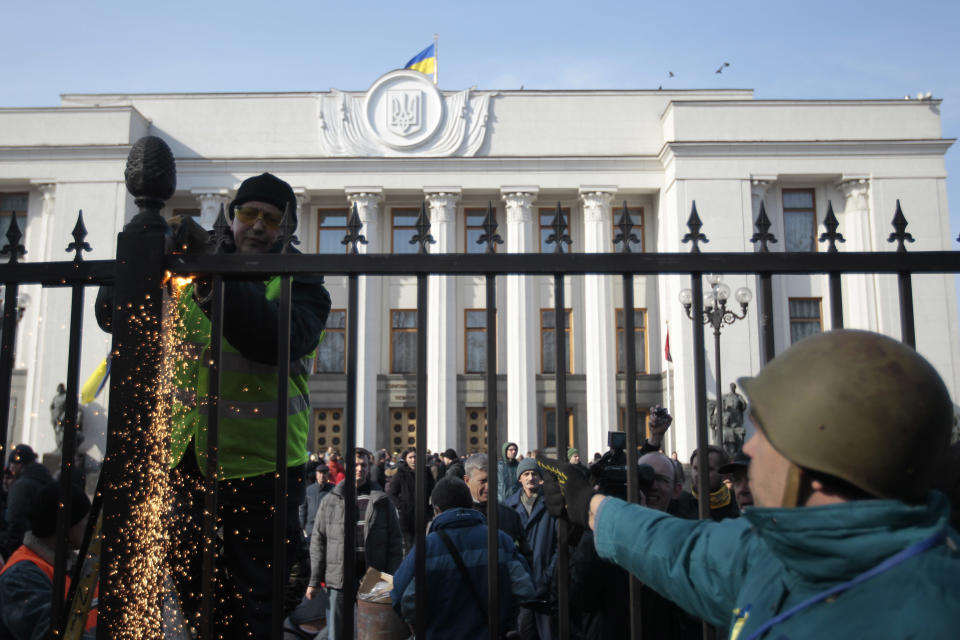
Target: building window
{"x": 548, "y": 341}
{"x": 12, "y": 204}
{"x": 328, "y": 428}
{"x": 640, "y": 335}
{"x": 799, "y": 220}
{"x": 545, "y": 219}
{"x": 636, "y": 216}
{"x": 476, "y": 429}
{"x": 643, "y": 427}
{"x": 403, "y": 340}
{"x": 403, "y": 427}
{"x": 474, "y": 229}
{"x": 331, "y": 230}
{"x": 404, "y": 227}
{"x": 332, "y": 352}
{"x": 475, "y": 340}
{"x": 805, "y": 318}
{"x": 549, "y": 438}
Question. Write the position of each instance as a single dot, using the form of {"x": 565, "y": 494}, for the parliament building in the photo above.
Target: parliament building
{"x": 404, "y": 142}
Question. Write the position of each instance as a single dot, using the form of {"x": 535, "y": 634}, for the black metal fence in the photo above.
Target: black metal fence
{"x": 144, "y": 261}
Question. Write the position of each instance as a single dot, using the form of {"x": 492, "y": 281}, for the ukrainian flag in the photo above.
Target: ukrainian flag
{"x": 96, "y": 382}
{"x": 425, "y": 62}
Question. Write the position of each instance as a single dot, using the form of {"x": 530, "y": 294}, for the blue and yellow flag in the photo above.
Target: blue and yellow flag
{"x": 425, "y": 62}
{"x": 96, "y": 382}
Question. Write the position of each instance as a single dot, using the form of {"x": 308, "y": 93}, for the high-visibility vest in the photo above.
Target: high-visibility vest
{"x": 248, "y": 403}
{"x": 26, "y": 554}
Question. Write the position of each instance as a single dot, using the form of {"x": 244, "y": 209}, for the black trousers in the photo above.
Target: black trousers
{"x": 244, "y": 576}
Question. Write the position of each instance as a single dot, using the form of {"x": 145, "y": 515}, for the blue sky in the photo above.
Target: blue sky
{"x": 811, "y": 49}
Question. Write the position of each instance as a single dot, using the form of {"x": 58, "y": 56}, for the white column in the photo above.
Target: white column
{"x": 210, "y": 202}
{"x": 370, "y": 318}
{"x": 860, "y": 289}
{"x": 522, "y": 323}
{"x": 43, "y": 242}
{"x": 442, "y": 315}
{"x": 598, "y": 321}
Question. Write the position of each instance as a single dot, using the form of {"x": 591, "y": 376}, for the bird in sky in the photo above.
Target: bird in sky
{"x": 671, "y": 73}
{"x": 720, "y": 70}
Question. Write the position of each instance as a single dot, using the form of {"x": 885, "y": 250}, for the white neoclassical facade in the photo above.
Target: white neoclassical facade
{"x": 403, "y": 143}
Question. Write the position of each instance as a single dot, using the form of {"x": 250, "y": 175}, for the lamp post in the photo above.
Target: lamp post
{"x": 716, "y": 314}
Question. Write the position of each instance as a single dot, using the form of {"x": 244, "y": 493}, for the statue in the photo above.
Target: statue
{"x": 58, "y": 409}
{"x": 727, "y": 431}
{"x": 733, "y": 405}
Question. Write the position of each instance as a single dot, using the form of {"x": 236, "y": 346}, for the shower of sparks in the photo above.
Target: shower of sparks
{"x": 145, "y": 535}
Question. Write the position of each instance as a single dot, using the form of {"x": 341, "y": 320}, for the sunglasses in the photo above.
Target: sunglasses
{"x": 250, "y": 215}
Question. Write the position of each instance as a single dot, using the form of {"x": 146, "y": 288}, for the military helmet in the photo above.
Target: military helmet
{"x": 858, "y": 406}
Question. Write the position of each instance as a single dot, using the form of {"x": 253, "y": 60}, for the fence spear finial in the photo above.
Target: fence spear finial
{"x": 763, "y": 235}
{"x": 831, "y": 236}
{"x": 490, "y": 235}
{"x": 694, "y": 235}
{"x": 559, "y": 236}
{"x": 288, "y": 225}
{"x": 79, "y": 234}
{"x": 625, "y": 234}
{"x": 423, "y": 230}
{"x": 222, "y": 238}
{"x": 14, "y": 248}
{"x": 900, "y": 234}
{"x": 354, "y": 237}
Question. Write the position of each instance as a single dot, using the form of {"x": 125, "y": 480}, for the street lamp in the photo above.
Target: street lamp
{"x": 716, "y": 314}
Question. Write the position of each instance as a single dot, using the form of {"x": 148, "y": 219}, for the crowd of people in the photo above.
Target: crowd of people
{"x": 830, "y": 529}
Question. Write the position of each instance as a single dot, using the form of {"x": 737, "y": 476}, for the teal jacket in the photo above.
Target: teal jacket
{"x": 736, "y": 574}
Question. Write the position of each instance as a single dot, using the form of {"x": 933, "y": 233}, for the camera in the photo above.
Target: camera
{"x": 609, "y": 474}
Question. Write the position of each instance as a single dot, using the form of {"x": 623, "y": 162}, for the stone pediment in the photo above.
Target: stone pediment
{"x": 402, "y": 115}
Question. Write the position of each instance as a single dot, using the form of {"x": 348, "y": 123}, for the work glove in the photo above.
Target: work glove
{"x": 188, "y": 236}
{"x": 566, "y": 491}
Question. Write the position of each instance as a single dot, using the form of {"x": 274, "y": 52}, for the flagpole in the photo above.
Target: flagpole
{"x": 436, "y": 59}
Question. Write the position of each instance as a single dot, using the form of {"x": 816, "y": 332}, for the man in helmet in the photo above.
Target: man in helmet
{"x": 845, "y": 536}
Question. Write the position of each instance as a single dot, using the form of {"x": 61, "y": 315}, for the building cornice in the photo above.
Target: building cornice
{"x": 787, "y": 148}
{"x": 65, "y": 153}
{"x": 566, "y": 164}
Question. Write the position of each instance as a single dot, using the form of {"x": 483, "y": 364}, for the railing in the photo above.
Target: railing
{"x": 138, "y": 274}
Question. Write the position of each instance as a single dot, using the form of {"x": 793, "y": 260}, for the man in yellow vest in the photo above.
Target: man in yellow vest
{"x": 26, "y": 580}
{"x": 248, "y": 417}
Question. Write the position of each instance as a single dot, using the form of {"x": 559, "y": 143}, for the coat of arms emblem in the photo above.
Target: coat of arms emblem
{"x": 403, "y": 111}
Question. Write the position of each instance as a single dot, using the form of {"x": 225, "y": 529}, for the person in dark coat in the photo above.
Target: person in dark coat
{"x": 29, "y": 476}
{"x": 26, "y": 579}
{"x": 508, "y": 521}
{"x": 722, "y": 503}
{"x": 454, "y": 468}
{"x": 403, "y": 491}
{"x": 456, "y": 593}
{"x": 540, "y": 529}
{"x": 380, "y": 546}
{"x": 314, "y": 495}
{"x": 378, "y": 472}
{"x": 507, "y": 481}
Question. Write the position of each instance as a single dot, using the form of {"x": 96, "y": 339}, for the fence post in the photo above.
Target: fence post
{"x": 134, "y": 468}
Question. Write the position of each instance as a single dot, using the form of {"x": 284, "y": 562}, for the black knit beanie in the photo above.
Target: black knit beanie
{"x": 451, "y": 493}
{"x": 268, "y": 188}
{"x": 43, "y": 511}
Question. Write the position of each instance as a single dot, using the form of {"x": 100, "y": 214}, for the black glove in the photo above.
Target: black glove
{"x": 188, "y": 236}
{"x": 566, "y": 491}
